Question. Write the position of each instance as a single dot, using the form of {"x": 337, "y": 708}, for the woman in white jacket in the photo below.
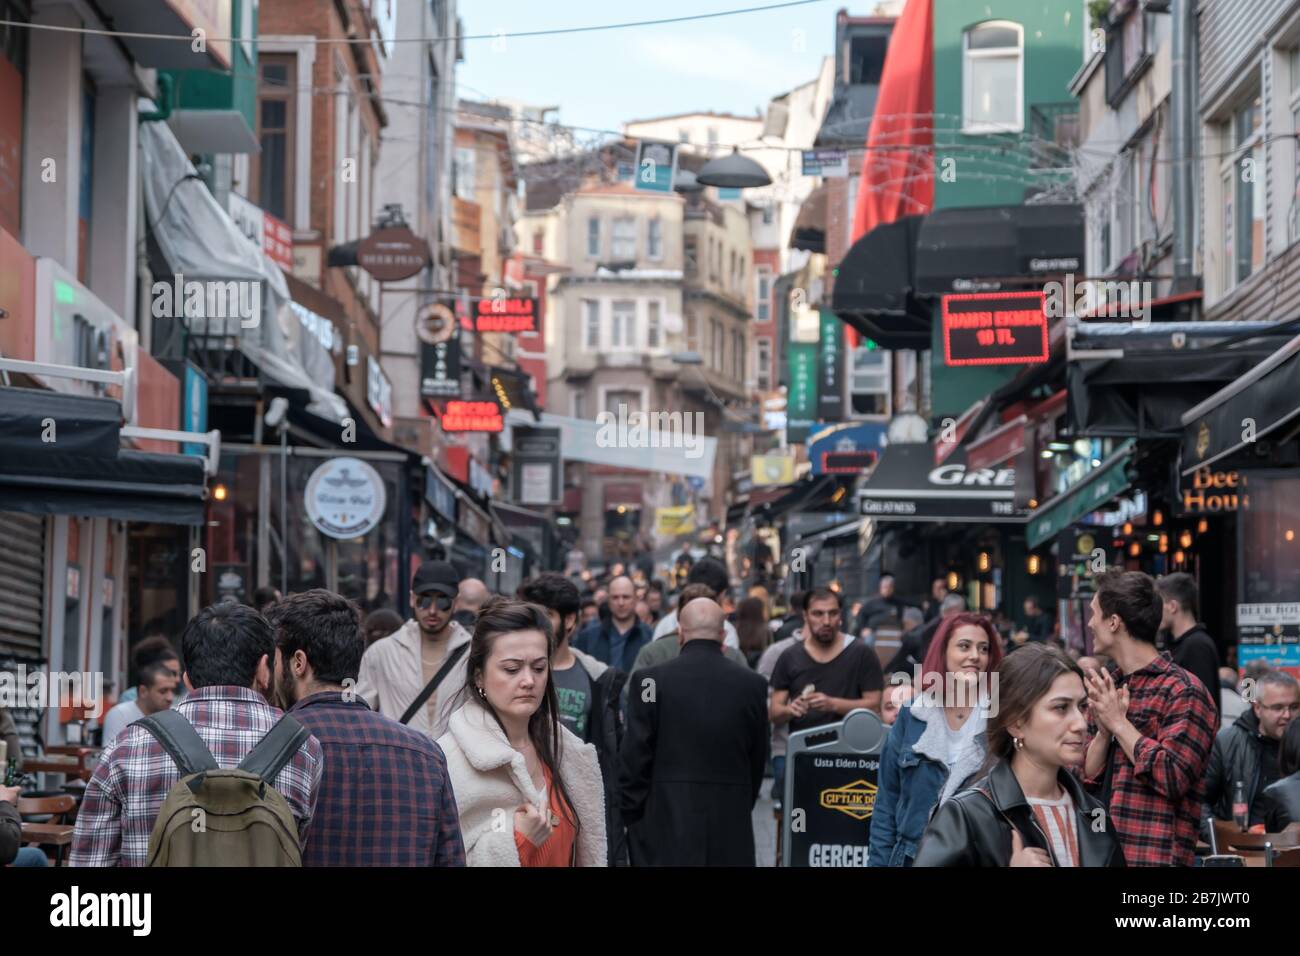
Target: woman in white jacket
{"x": 528, "y": 791}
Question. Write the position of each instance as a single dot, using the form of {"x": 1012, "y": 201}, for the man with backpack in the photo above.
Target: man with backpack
{"x": 385, "y": 799}
{"x": 148, "y": 802}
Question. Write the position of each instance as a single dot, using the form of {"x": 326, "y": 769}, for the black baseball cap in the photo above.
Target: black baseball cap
{"x": 440, "y": 576}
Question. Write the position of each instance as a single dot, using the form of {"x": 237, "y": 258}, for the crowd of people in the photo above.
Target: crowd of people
{"x": 631, "y": 726}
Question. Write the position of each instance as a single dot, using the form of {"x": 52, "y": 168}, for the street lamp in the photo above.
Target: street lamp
{"x": 733, "y": 172}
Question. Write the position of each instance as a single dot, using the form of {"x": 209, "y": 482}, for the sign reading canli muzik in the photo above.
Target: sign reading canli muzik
{"x": 393, "y": 254}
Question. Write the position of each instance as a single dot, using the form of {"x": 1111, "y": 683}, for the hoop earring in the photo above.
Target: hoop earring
{"x": 1018, "y": 743}
{"x": 481, "y": 694}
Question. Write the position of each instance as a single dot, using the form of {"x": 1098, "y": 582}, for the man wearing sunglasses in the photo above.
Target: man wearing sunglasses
{"x": 416, "y": 674}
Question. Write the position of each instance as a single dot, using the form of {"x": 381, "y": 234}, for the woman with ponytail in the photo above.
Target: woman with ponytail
{"x": 528, "y": 791}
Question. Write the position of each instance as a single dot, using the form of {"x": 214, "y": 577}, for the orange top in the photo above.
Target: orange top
{"x": 558, "y": 848}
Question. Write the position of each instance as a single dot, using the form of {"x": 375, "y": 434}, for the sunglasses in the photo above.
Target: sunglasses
{"x": 441, "y": 600}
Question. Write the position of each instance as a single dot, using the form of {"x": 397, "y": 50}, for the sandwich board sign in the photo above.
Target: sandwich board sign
{"x": 831, "y": 776}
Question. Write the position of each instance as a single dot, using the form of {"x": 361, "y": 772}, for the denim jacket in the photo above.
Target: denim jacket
{"x": 912, "y": 780}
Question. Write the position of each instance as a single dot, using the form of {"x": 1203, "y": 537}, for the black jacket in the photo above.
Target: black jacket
{"x": 911, "y": 651}
{"x": 11, "y": 832}
{"x": 693, "y": 758}
{"x": 605, "y": 731}
{"x": 973, "y": 828}
{"x": 1281, "y": 800}
{"x": 1235, "y": 756}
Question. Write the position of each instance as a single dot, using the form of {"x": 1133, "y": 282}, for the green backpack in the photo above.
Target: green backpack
{"x": 215, "y": 817}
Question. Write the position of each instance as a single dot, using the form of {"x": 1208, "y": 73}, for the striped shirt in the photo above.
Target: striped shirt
{"x": 134, "y": 775}
{"x": 1057, "y": 821}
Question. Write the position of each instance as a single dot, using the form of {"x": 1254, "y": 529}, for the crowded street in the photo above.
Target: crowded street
{"x": 808, "y": 435}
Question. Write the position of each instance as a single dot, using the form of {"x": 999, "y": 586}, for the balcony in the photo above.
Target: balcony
{"x": 1054, "y": 132}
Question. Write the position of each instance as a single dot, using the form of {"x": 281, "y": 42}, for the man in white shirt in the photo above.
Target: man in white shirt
{"x": 156, "y": 692}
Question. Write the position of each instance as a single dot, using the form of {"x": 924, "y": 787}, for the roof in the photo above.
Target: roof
{"x": 659, "y": 119}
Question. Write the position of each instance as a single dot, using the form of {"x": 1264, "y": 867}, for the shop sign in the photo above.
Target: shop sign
{"x": 1213, "y": 492}
{"x": 535, "y": 458}
{"x": 1006, "y": 328}
{"x": 801, "y": 411}
{"x": 440, "y": 369}
{"x": 833, "y": 163}
{"x": 503, "y": 314}
{"x": 656, "y": 165}
{"x": 345, "y": 498}
{"x": 393, "y": 254}
{"x": 472, "y": 417}
{"x": 269, "y": 233}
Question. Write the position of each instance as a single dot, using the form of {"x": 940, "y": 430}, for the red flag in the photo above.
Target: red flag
{"x": 898, "y": 167}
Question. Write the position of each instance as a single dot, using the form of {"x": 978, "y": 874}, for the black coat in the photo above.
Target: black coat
{"x": 1236, "y": 755}
{"x": 1281, "y": 800}
{"x": 606, "y": 732}
{"x": 973, "y": 828}
{"x": 693, "y": 757}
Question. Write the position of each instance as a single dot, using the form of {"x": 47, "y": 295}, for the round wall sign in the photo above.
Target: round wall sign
{"x": 345, "y": 498}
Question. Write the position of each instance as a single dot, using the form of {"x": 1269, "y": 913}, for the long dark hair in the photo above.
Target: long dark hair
{"x": 1022, "y": 680}
{"x": 502, "y": 616}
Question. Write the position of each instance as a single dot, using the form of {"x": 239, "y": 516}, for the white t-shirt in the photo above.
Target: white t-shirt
{"x": 958, "y": 740}
{"x": 116, "y": 720}
{"x": 1058, "y": 822}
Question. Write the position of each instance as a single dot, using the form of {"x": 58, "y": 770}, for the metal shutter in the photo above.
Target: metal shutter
{"x": 22, "y": 606}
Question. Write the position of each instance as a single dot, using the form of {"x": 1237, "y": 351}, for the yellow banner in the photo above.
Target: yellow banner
{"x": 679, "y": 519}
{"x": 772, "y": 469}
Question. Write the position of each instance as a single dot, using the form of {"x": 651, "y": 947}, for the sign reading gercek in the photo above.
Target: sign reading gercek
{"x": 345, "y": 498}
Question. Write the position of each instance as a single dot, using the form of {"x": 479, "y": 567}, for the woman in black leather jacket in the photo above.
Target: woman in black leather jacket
{"x": 1281, "y": 798}
{"x": 1028, "y": 809}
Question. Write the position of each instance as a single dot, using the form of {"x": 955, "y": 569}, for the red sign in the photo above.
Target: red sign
{"x": 472, "y": 417}
{"x": 847, "y": 462}
{"x": 503, "y": 315}
{"x": 277, "y": 241}
{"x": 996, "y": 328}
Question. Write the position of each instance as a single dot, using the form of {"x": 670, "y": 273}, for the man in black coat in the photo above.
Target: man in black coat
{"x": 694, "y": 752}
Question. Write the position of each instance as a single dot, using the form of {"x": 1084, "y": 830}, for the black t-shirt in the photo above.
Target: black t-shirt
{"x": 852, "y": 673}
{"x": 1197, "y": 653}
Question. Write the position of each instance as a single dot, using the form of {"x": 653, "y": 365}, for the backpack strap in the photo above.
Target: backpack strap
{"x": 182, "y": 742}
{"x": 276, "y": 749}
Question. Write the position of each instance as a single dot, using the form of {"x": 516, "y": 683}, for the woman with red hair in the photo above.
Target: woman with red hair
{"x": 938, "y": 740}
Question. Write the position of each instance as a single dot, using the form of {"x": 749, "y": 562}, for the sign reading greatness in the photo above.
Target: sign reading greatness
{"x": 999, "y": 328}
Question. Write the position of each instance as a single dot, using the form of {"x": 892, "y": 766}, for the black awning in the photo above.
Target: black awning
{"x": 959, "y": 247}
{"x": 37, "y": 422}
{"x": 874, "y": 284}
{"x": 1267, "y": 395}
{"x": 134, "y": 486}
{"x": 1146, "y": 394}
{"x": 907, "y": 486}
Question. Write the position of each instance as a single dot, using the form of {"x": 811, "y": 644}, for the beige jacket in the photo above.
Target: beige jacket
{"x": 392, "y": 676}
{"x": 490, "y": 780}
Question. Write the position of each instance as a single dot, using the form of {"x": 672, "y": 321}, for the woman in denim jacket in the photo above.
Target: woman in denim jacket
{"x": 939, "y": 739}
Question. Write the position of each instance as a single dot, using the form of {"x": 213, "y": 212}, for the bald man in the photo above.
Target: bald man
{"x": 470, "y": 598}
{"x": 618, "y": 639}
{"x": 694, "y": 752}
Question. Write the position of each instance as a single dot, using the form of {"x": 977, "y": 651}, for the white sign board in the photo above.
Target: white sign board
{"x": 826, "y": 162}
{"x": 1268, "y": 614}
{"x": 345, "y": 498}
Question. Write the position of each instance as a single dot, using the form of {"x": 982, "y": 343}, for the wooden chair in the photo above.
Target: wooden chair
{"x": 1285, "y": 856}
{"x": 53, "y": 829}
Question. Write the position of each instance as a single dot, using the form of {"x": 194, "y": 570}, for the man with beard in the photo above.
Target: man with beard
{"x": 821, "y": 678}
{"x": 415, "y": 675}
{"x": 385, "y": 798}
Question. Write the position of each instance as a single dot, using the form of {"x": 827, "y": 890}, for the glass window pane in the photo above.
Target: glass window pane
{"x": 992, "y": 37}
{"x": 275, "y": 74}
{"x": 273, "y": 114}
{"x": 273, "y": 171}
{"x": 992, "y": 96}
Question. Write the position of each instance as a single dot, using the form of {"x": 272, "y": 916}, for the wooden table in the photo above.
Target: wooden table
{"x": 69, "y": 766}
{"x": 48, "y": 834}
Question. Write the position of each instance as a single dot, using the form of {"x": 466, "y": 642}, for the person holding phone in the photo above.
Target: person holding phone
{"x": 528, "y": 791}
{"x": 1027, "y": 808}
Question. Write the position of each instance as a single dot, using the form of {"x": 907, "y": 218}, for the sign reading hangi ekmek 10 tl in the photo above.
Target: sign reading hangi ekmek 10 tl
{"x": 1000, "y": 328}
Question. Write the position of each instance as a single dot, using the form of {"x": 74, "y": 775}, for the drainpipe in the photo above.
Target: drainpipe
{"x": 1183, "y": 123}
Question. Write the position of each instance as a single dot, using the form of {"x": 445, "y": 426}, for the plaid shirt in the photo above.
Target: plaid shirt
{"x": 1156, "y": 797}
{"x": 135, "y": 773}
{"x": 386, "y": 799}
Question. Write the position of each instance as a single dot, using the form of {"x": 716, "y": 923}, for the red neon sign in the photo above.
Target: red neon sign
{"x": 472, "y": 417}
{"x": 513, "y": 314}
{"x": 994, "y": 328}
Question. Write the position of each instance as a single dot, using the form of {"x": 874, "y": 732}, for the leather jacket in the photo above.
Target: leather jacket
{"x": 973, "y": 828}
{"x": 1281, "y": 801}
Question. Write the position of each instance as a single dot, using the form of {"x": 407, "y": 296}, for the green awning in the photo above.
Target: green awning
{"x": 1098, "y": 487}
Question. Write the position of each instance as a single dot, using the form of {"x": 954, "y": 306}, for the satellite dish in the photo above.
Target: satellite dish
{"x": 435, "y": 323}
{"x": 908, "y": 429}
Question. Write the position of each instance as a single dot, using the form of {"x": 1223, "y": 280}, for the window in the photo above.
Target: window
{"x": 866, "y": 59}
{"x": 869, "y": 384}
{"x": 579, "y": 403}
{"x": 591, "y": 324}
{"x": 654, "y": 324}
{"x": 763, "y": 295}
{"x": 273, "y": 167}
{"x": 992, "y": 82}
{"x": 1126, "y": 205}
{"x": 1242, "y": 178}
{"x": 683, "y": 136}
{"x": 615, "y": 398}
{"x": 690, "y": 256}
{"x": 1126, "y": 53}
{"x": 769, "y": 214}
{"x": 738, "y": 356}
{"x": 623, "y": 325}
{"x": 715, "y": 344}
{"x": 623, "y": 240}
{"x": 1293, "y": 212}
{"x": 713, "y": 136}
{"x": 539, "y": 239}
{"x": 763, "y": 348}
{"x": 654, "y": 239}
{"x": 462, "y": 174}
{"x": 593, "y": 237}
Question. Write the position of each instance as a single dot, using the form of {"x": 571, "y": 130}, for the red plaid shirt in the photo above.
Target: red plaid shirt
{"x": 1155, "y": 798}
{"x": 135, "y": 773}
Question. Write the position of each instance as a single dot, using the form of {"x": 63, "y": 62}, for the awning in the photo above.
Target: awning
{"x": 1010, "y": 438}
{"x": 134, "y": 486}
{"x": 907, "y": 486}
{"x": 1147, "y": 394}
{"x": 1267, "y": 395}
{"x": 1097, "y": 487}
{"x": 81, "y": 425}
{"x": 874, "y": 284}
{"x": 970, "y": 249}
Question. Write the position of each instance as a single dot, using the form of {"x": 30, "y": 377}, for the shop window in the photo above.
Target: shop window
{"x": 993, "y": 78}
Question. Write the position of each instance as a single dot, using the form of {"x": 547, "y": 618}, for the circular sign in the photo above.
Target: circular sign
{"x": 345, "y": 498}
{"x": 392, "y": 254}
{"x": 435, "y": 323}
